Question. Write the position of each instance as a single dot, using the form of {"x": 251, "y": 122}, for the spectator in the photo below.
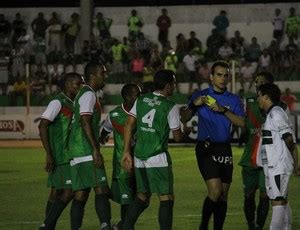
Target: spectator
{"x": 275, "y": 53}
{"x": 19, "y": 90}
{"x": 148, "y": 73}
{"x": 247, "y": 72}
{"x": 41, "y": 75}
{"x": 204, "y": 74}
{"x": 137, "y": 68}
{"x": 125, "y": 54}
{"x": 54, "y": 31}
{"x": 17, "y": 59}
{"x": 237, "y": 41}
{"x": 143, "y": 45}
{"x": 40, "y": 51}
{"x": 39, "y": 26}
{"x": 156, "y": 60}
{"x": 289, "y": 99}
{"x": 181, "y": 47}
{"x": 103, "y": 25}
{"x": 4, "y": 65}
{"x": 116, "y": 51}
{"x": 225, "y": 52}
{"x": 171, "y": 61}
{"x": 25, "y": 43}
{"x": 164, "y": 23}
{"x": 213, "y": 43}
{"x": 56, "y": 76}
{"x": 18, "y": 25}
{"x": 193, "y": 41}
{"x": 292, "y": 25}
{"x": 189, "y": 61}
{"x": 5, "y": 30}
{"x": 265, "y": 61}
{"x": 253, "y": 53}
{"x": 221, "y": 23}
{"x": 71, "y": 33}
{"x": 134, "y": 25}
{"x": 278, "y": 23}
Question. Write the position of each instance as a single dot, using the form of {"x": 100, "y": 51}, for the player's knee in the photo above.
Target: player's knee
{"x": 67, "y": 195}
{"x": 215, "y": 194}
{"x": 166, "y": 197}
{"x": 145, "y": 197}
{"x": 82, "y": 195}
{"x": 102, "y": 190}
{"x": 279, "y": 200}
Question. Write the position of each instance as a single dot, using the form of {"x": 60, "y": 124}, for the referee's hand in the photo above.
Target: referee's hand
{"x": 200, "y": 100}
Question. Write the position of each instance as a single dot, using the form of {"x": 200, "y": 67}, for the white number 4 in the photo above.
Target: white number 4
{"x": 149, "y": 117}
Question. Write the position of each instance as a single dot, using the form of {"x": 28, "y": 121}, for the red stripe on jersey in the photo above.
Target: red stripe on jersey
{"x": 118, "y": 127}
{"x": 254, "y": 149}
{"x": 66, "y": 112}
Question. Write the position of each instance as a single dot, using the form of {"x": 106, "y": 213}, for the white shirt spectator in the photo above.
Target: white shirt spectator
{"x": 189, "y": 62}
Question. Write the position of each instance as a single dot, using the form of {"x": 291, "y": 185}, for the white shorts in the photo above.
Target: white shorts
{"x": 277, "y": 186}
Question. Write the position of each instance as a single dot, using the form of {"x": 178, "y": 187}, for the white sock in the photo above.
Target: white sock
{"x": 278, "y": 217}
{"x": 287, "y": 224}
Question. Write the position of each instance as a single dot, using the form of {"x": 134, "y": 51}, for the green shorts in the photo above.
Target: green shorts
{"x": 86, "y": 175}
{"x": 60, "y": 177}
{"x": 253, "y": 178}
{"x": 123, "y": 190}
{"x": 154, "y": 175}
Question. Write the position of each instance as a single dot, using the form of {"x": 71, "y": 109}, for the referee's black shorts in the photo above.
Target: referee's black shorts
{"x": 215, "y": 161}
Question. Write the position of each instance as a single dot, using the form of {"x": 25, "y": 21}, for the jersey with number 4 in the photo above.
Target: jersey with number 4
{"x": 155, "y": 115}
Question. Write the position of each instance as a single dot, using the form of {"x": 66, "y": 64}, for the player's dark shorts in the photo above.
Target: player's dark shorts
{"x": 215, "y": 161}
{"x": 277, "y": 34}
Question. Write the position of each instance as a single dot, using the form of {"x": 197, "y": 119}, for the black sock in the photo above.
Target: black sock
{"x": 220, "y": 215}
{"x": 103, "y": 209}
{"x": 249, "y": 209}
{"x": 207, "y": 210}
{"x": 56, "y": 209}
{"x": 133, "y": 213}
{"x": 48, "y": 207}
{"x": 262, "y": 211}
{"x": 165, "y": 215}
{"x": 77, "y": 211}
{"x": 124, "y": 209}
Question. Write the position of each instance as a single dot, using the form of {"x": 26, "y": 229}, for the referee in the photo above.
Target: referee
{"x": 217, "y": 109}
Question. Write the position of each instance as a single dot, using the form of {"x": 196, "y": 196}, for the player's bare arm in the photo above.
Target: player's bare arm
{"x": 43, "y": 129}
{"x": 288, "y": 139}
{"x": 127, "y": 161}
{"x": 86, "y": 121}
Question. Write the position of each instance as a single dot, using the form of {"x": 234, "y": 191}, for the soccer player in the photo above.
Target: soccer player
{"x": 276, "y": 154}
{"x": 253, "y": 176}
{"x": 153, "y": 115}
{"x": 87, "y": 166}
{"x": 122, "y": 186}
{"x": 217, "y": 109}
{"x": 53, "y": 127}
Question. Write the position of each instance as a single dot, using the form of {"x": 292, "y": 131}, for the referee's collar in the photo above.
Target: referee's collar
{"x": 212, "y": 91}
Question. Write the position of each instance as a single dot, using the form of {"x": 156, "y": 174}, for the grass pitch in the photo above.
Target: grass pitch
{"x": 24, "y": 194}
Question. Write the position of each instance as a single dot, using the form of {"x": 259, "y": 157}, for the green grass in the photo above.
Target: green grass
{"x": 24, "y": 194}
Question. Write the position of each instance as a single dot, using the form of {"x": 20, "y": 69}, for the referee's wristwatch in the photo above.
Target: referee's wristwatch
{"x": 225, "y": 109}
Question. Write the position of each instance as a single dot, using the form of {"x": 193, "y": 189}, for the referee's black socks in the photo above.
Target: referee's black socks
{"x": 220, "y": 214}
{"x": 165, "y": 215}
{"x": 103, "y": 209}
{"x": 133, "y": 213}
{"x": 207, "y": 210}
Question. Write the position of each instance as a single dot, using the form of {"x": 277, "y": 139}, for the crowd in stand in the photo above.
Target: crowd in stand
{"x": 135, "y": 58}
